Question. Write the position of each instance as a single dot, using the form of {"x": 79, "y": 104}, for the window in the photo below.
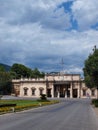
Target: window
{"x": 33, "y": 91}
{"x": 93, "y": 92}
{"x": 25, "y": 91}
{"x": 84, "y": 92}
{"x": 41, "y": 91}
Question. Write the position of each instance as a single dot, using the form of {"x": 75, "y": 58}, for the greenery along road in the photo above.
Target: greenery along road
{"x": 24, "y": 104}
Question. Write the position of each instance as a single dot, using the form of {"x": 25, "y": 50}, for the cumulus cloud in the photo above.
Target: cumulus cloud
{"x": 74, "y": 69}
{"x": 46, "y": 13}
{"x": 40, "y": 33}
{"x": 86, "y": 14}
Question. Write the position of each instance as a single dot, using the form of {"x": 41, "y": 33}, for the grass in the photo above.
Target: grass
{"x": 24, "y": 104}
{"x": 19, "y": 102}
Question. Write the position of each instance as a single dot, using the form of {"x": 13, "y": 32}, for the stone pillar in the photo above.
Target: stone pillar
{"x": 52, "y": 91}
{"x": 78, "y": 90}
{"x": 78, "y": 93}
{"x": 80, "y": 86}
{"x": 29, "y": 92}
{"x": 65, "y": 94}
{"x": 71, "y": 91}
{"x": 21, "y": 91}
{"x": 58, "y": 94}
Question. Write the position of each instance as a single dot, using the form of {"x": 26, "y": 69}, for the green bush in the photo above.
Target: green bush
{"x": 7, "y": 105}
{"x": 43, "y": 97}
{"x": 95, "y": 102}
{"x": 1, "y": 96}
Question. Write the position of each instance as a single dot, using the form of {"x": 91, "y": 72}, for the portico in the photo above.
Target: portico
{"x": 62, "y": 89}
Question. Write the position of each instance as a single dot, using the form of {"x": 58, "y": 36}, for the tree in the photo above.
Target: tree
{"x": 37, "y": 74}
{"x": 5, "y": 83}
{"x": 2, "y": 69}
{"x": 91, "y": 69}
{"x": 19, "y": 70}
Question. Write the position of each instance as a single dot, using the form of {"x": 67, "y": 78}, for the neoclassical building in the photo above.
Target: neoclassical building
{"x": 54, "y": 85}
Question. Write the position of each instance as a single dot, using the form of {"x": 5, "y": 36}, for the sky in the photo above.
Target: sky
{"x": 42, "y": 33}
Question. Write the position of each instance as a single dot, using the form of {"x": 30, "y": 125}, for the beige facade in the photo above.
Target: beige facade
{"x": 55, "y": 85}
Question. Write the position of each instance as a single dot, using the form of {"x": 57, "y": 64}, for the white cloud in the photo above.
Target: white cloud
{"x": 85, "y": 12}
{"x": 34, "y": 33}
{"x": 31, "y": 40}
{"x": 74, "y": 69}
{"x": 46, "y": 13}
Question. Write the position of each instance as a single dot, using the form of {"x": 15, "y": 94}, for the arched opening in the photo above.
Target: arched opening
{"x": 33, "y": 91}
{"x": 25, "y": 91}
{"x": 41, "y": 90}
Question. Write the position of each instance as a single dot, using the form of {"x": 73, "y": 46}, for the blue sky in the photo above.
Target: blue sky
{"x": 39, "y": 33}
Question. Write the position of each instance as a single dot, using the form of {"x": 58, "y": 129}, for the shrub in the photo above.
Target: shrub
{"x": 1, "y": 96}
{"x": 95, "y": 102}
{"x": 7, "y": 105}
{"x": 43, "y": 97}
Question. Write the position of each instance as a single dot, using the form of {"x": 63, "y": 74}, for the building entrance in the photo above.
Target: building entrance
{"x": 62, "y": 90}
{"x": 48, "y": 92}
{"x": 75, "y": 93}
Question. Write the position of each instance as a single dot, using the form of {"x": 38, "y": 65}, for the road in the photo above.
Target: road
{"x": 71, "y": 114}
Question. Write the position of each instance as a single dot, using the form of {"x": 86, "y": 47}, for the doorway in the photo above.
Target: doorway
{"x": 48, "y": 92}
{"x": 75, "y": 93}
{"x": 62, "y": 89}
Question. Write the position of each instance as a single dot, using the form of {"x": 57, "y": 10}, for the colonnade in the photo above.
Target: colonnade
{"x": 65, "y": 91}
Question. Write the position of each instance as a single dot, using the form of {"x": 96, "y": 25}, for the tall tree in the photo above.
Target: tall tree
{"x": 19, "y": 70}
{"x": 91, "y": 69}
{"x": 5, "y": 83}
{"x": 37, "y": 74}
{"x": 2, "y": 69}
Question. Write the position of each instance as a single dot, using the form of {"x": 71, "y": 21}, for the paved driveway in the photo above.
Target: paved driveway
{"x": 72, "y": 114}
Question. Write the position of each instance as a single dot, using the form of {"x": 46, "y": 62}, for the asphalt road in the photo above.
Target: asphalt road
{"x": 74, "y": 114}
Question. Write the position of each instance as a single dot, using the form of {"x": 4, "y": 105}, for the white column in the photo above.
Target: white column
{"x": 65, "y": 93}
{"x": 21, "y": 91}
{"x": 29, "y": 92}
{"x": 78, "y": 91}
{"x": 52, "y": 91}
{"x": 71, "y": 91}
{"x": 58, "y": 94}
